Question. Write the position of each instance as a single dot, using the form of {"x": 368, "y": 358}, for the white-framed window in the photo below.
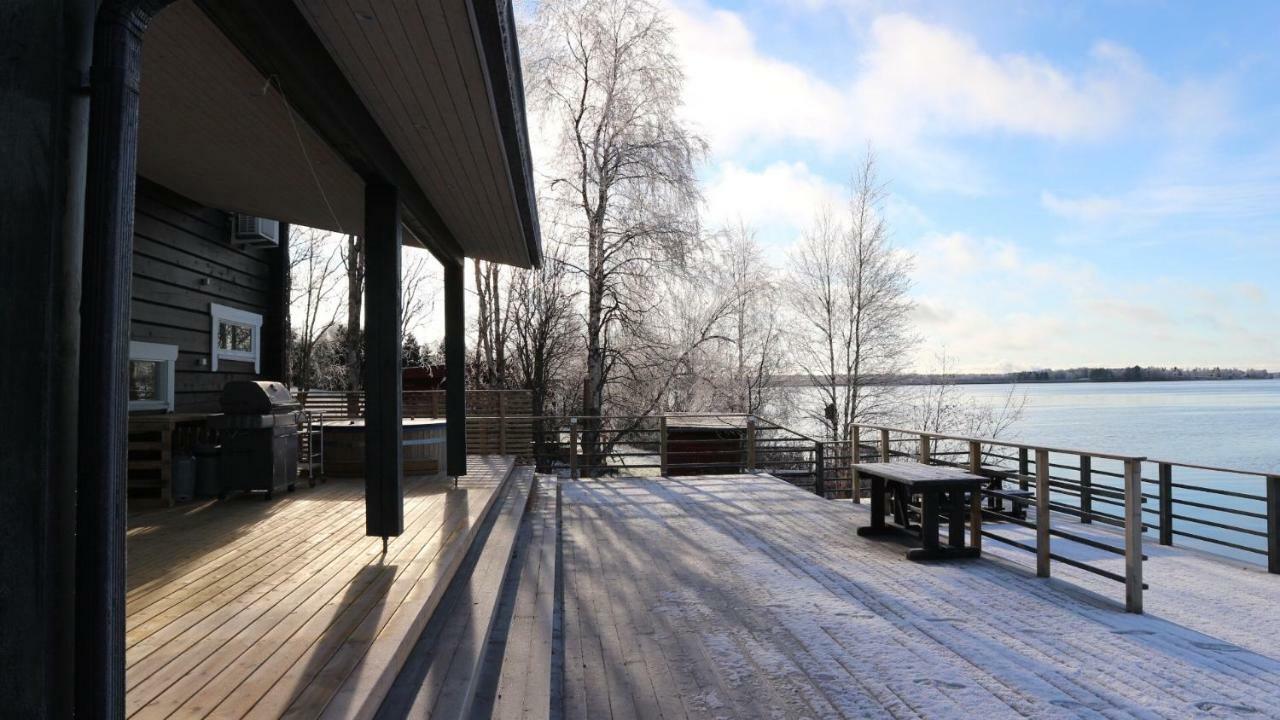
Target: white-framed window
{"x": 237, "y": 335}
{"x": 151, "y": 376}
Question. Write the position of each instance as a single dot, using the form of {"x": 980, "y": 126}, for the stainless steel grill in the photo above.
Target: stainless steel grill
{"x": 259, "y": 428}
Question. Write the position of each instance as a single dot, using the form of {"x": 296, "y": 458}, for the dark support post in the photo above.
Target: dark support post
{"x": 1273, "y": 523}
{"x": 819, "y": 482}
{"x": 1166, "y": 504}
{"x": 455, "y": 358}
{"x": 1086, "y": 489}
{"x": 47, "y": 54}
{"x": 662, "y": 445}
{"x": 384, "y": 492}
{"x": 275, "y": 329}
{"x": 104, "y": 357}
{"x": 1024, "y": 468}
{"x": 751, "y": 442}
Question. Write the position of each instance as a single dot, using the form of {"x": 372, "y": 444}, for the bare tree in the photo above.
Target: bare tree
{"x": 353, "y": 261}
{"x": 417, "y": 291}
{"x": 940, "y": 406}
{"x": 604, "y": 75}
{"x": 754, "y": 329}
{"x": 849, "y": 294}
{"x": 313, "y": 282}
{"x": 492, "y": 326}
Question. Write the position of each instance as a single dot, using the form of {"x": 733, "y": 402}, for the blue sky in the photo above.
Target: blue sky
{"x": 1093, "y": 184}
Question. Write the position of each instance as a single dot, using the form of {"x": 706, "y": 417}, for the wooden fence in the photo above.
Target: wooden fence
{"x": 498, "y": 421}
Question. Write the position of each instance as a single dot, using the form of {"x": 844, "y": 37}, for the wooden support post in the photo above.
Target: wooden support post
{"x": 455, "y": 358}
{"x": 885, "y": 453}
{"x": 751, "y": 442}
{"x": 1086, "y": 489}
{"x": 1273, "y": 523}
{"x": 855, "y": 451}
{"x": 1042, "y": 513}
{"x": 502, "y": 423}
{"x": 1133, "y": 535}
{"x": 107, "y": 262}
{"x": 819, "y": 481}
{"x": 384, "y": 441}
{"x": 1024, "y": 468}
{"x": 975, "y": 503}
{"x": 925, "y": 451}
{"x": 1166, "y": 504}
{"x": 662, "y": 445}
{"x": 573, "y": 448}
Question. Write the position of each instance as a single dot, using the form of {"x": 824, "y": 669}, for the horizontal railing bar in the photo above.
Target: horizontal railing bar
{"x": 1223, "y": 526}
{"x": 1218, "y": 491}
{"x": 1219, "y": 508}
{"x": 1202, "y": 538}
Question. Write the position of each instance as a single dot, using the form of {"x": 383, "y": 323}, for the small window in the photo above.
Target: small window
{"x": 151, "y": 367}
{"x": 236, "y": 334}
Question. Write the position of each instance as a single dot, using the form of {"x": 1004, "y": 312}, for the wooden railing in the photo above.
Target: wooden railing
{"x": 1035, "y": 470}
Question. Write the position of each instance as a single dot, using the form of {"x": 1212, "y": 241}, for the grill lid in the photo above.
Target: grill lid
{"x": 256, "y": 397}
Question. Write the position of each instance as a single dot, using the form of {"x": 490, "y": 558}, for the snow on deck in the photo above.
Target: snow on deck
{"x": 745, "y": 597}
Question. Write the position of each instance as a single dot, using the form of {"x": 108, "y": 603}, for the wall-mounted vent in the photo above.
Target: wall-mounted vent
{"x": 256, "y": 232}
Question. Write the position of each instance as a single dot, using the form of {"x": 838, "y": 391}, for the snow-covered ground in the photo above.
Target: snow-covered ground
{"x": 745, "y": 597}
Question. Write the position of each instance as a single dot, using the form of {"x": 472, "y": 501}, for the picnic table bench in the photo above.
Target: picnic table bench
{"x": 935, "y": 485}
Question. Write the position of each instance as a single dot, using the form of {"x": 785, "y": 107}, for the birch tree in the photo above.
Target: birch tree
{"x": 492, "y": 324}
{"x": 604, "y": 77}
{"x": 353, "y": 261}
{"x": 849, "y": 295}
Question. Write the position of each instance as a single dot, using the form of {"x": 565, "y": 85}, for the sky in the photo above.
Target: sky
{"x": 1092, "y": 184}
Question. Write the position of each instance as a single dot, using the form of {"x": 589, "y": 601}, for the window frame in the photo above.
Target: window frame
{"x": 167, "y": 358}
{"x": 219, "y": 314}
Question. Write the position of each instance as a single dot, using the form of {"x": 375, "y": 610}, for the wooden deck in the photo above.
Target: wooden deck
{"x": 246, "y": 608}
{"x": 744, "y": 597}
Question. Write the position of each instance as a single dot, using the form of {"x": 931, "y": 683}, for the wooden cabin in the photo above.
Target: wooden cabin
{"x": 137, "y": 136}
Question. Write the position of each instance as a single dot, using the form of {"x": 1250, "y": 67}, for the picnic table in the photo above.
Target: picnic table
{"x": 938, "y": 487}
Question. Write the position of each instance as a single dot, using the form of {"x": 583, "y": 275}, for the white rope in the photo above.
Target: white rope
{"x": 303, "y": 147}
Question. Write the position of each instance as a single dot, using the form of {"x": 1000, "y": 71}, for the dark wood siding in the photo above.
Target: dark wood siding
{"x": 182, "y": 262}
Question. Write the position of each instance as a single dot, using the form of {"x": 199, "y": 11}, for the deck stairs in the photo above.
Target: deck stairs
{"x": 487, "y": 650}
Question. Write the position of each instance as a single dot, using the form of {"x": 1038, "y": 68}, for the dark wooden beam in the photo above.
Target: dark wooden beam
{"x": 278, "y": 40}
{"x": 43, "y": 122}
{"x": 384, "y": 492}
{"x": 275, "y": 324}
{"x": 104, "y": 357}
{"x": 455, "y": 359}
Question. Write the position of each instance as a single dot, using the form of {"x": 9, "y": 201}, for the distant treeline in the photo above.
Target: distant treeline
{"x": 1137, "y": 373}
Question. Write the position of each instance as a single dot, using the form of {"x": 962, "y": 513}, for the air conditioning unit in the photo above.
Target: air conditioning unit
{"x": 256, "y": 232}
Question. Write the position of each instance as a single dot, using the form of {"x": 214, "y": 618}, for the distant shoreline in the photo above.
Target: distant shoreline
{"x": 1029, "y": 378}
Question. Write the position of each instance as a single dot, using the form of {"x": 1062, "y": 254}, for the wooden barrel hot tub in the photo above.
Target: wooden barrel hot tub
{"x": 423, "y": 447}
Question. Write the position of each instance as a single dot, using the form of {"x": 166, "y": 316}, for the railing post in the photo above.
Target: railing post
{"x": 662, "y": 445}
{"x": 502, "y": 423}
{"x": 819, "y": 482}
{"x": 1086, "y": 489}
{"x": 1024, "y": 468}
{"x": 855, "y": 452}
{"x": 1133, "y": 535}
{"x": 884, "y": 446}
{"x": 1273, "y": 523}
{"x": 924, "y": 449}
{"x": 975, "y": 502}
{"x": 1166, "y": 504}
{"x": 573, "y": 448}
{"x": 751, "y": 441}
{"x": 1042, "y": 513}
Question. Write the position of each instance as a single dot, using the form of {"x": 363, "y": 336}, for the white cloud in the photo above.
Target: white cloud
{"x": 911, "y": 81}
{"x": 785, "y": 196}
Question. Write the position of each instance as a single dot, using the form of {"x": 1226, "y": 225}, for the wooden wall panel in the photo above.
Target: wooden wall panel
{"x": 182, "y": 262}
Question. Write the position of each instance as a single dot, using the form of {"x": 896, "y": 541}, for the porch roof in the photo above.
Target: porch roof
{"x": 287, "y": 110}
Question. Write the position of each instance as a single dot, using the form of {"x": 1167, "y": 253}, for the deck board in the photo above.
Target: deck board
{"x": 743, "y": 596}
{"x": 250, "y": 608}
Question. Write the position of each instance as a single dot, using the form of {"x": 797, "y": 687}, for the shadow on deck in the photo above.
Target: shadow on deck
{"x": 742, "y": 596}
{"x": 250, "y": 608}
